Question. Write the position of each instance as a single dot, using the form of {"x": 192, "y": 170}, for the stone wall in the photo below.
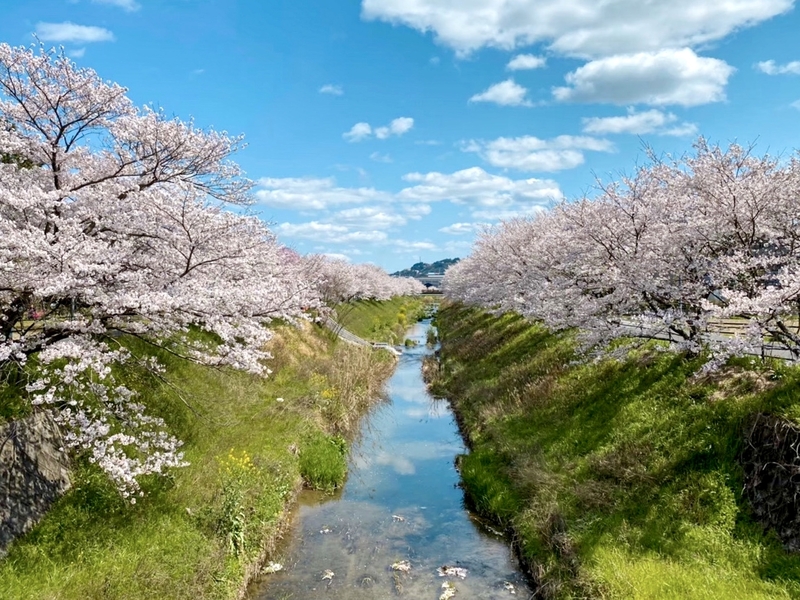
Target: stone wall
{"x": 33, "y": 474}
{"x": 771, "y": 461}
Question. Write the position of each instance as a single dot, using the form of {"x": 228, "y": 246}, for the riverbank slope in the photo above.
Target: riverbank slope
{"x": 618, "y": 478}
{"x": 206, "y": 529}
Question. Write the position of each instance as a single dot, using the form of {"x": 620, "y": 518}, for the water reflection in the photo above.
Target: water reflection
{"x": 401, "y": 503}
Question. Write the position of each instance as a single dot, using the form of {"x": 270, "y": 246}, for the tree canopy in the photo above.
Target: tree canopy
{"x": 679, "y": 243}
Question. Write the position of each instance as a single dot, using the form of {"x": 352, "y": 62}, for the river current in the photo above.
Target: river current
{"x": 400, "y": 520}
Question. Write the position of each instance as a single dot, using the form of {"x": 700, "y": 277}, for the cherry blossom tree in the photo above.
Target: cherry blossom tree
{"x": 748, "y": 211}
{"x": 339, "y": 281}
{"x": 113, "y": 222}
{"x": 671, "y": 248}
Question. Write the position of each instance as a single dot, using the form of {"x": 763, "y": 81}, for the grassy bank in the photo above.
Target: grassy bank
{"x": 383, "y": 321}
{"x": 619, "y": 478}
{"x": 201, "y": 533}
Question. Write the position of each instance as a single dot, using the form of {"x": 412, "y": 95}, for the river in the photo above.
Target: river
{"x": 401, "y": 506}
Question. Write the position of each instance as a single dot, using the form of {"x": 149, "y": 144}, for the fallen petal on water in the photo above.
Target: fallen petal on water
{"x": 272, "y": 567}
{"x": 449, "y": 590}
{"x": 402, "y": 565}
{"x": 447, "y": 571}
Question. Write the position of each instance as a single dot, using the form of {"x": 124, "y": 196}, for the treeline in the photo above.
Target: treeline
{"x": 675, "y": 245}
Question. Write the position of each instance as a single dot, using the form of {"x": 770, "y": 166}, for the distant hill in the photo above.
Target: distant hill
{"x": 421, "y": 268}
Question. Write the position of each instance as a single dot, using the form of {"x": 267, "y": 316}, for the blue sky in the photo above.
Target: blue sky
{"x": 388, "y": 131}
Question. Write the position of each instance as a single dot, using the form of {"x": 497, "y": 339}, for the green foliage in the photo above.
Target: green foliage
{"x": 22, "y": 162}
{"x": 490, "y": 492}
{"x": 431, "y": 337}
{"x": 235, "y": 472}
{"x": 619, "y": 477}
{"x": 12, "y": 386}
{"x": 382, "y": 321}
{"x": 323, "y": 462}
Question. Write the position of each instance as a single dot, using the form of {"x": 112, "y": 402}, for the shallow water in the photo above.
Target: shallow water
{"x": 401, "y": 502}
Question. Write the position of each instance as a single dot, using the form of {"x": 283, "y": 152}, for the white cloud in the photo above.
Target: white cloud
{"x": 528, "y": 153}
{"x": 661, "y": 78}
{"x": 400, "y": 464}
{"x": 638, "y": 123}
{"x": 311, "y": 230}
{"x": 505, "y": 93}
{"x": 382, "y": 158}
{"x": 382, "y": 133}
{"x": 401, "y": 125}
{"x": 481, "y": 190}
{"x": 522, "y": 62}
{"x": 70, "y": 32}
{"x": 634, "y": 123}
{"x": 416, "y": 211}
{"x": 795, "y": 104}
{"x": 407, "y": 245}
{"x": 128, "y": 5}
{"x": 428, "y": 143}
{"x": 361, "y": 131}
{"x": 312, "y": 194}
{"x": 508, "y": 213}
{"x": 362, "y": 236}
{"x": 682, "y": 130}
{"x": 358, "y": 132}
{"x": 77, "y": 52}
{"x": 373, "y": 211}
{"x": 363, "y": 224}
{"x": 368, "y": 217}
{"x": 397, "y": 127}
{"x": 585, "y": 28}
{"x": 328, "y": 232}
{"x": 459, "y": 228}
{"x": 334, "y": 90}
{"x": 770, "y": 68}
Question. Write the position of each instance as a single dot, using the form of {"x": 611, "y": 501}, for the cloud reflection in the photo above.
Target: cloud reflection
{"x": 435, "y": 410}
{"x": 400, "y": 464}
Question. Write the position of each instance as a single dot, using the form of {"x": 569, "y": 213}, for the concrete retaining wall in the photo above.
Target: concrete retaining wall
{"x": 33, "y": 474}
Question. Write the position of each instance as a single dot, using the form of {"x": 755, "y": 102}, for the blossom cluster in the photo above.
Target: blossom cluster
{"x": 676, "y": 246}
{"x": 341, "y": 281}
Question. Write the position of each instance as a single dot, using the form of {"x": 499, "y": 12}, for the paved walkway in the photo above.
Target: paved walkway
{"x": 352, "y": 338}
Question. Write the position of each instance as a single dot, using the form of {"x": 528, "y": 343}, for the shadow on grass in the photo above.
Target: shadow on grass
{"x": 638, "y": 453}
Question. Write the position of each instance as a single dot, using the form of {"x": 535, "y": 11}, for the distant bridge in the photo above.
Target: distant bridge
{"x": 431, "y": 280}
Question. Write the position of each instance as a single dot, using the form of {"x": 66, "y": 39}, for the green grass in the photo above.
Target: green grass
{"x": 619, "y": 478}
{"x": 323, "y": 462}
{"x": 12, "y": 406}
{"x": 383, "y": 321}
{"x": 200, "y": 532}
